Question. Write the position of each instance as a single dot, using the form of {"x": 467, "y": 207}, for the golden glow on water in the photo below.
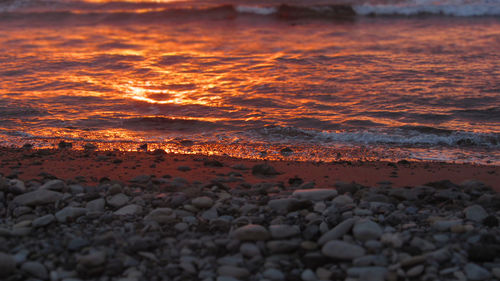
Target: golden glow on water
{"x": 95, "y": 82}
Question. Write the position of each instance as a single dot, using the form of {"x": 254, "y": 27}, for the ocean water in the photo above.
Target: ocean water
{"x": 301, "y": 80}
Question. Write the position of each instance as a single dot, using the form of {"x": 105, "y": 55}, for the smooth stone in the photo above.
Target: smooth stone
{"x": 315, "y": 194}
{"x": 93, "y": 259}
{"x": 373, "y": 272}
{"x": 17, "y": 186}
{"x": 233, "y": 271}
{"x": 70, "y": 213}
{"x": 252, "y": 232}
{"x": 283, "y": 246}
{"x": 342, "y": 250}
{"x": 475, "y": 213}
{"x": 161, "y": 215}
{"x": 475, "y": 272}
{"x": 496, "y": 272}
{"x": 56, "y": 185}
{"x": 273, "y": 274}
{"x": 308, "y": 275}
{"x": 227, "y": 278}
{"x": 366, "y": 229}
{"x": 392, "y": 239}
{"x": 249, "y": 250}
{"x": 342, "y": 200}
{"x": 77, "y": 244}
{"x": 203, "y": 202}
{"x": 131, "y": 209}
{"x": 415, "y": 271}
{"x": 7, "y": 265}
{"x": 337, "y": 232}
{"x": 181, "y": 226}
{"x": 118, "y": 200}
{"x": 282, "y": 205}
{"x": 210, "y": 214}
{"x": 422, "y": 244}
{"x": 43, "y": 221}
{"x": 35, "y": 269}
{"x": 96, "y": 205}
{"x": 280, "y": 231}
{"x": 445, "y": 225}
{"x": 38, "y": 197}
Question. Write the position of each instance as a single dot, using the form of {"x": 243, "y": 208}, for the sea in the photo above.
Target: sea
{"x": 306, "y": 80}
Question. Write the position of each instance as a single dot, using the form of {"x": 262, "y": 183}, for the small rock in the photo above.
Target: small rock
{"x": 70, "y": 213}
{"x": 342, "y": 200}
{"x": 7, "y": 265}
{"x": 273, "y": 274}
{"x": 181, "y": 226}
{"x": 55, "y": 185}
{"x": 131, "y": 209}
{"x": 475, "y": 272}
{"x": 43, "y": 221}
{"x": 93, "y": 259}
{"x": 368, "y": 272}
{"x": 496, "y": 272}
{"x": 366, "y": 229}
{"x": 264, "y": 170}
{"x": 249, "y": 250}
{"x": 252, "y": 232}
{"x": 118, "y": 200}
{"x": 315, "y": 194}
{"x": 281, "y": 231}
{"x": 203, "y": 202}
{"x": 96, "y": 205}
{"x": 282, "y": 205}
{"x": 415, "y": 271}
{"x": 35, "y": 269}
{"x": 475, "y": 213}
{"x": 38, "y": 197}
{"x": 445, "y": 225}
{"x": 161, "y": 215}
{"x": 337, "y": 232}
{"x": 233, "y": 271}
{"x": 283, "y": 246}
{"x": 342, "y": 250}
{"x": 308, "y": 275}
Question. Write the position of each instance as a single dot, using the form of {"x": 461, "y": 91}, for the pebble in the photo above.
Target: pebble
{"x": 203, "y": 202}
{"x": 366, "y": 229}
{"x": 308, "y": 275}
{"x": 233, "y": 271}
{"x": 342, "y": 250}
{"x": 415, "y": 271}
{"x": 38, "y": 197}
{"x": 7, "y": 265}
{"x": 70, "y": 213}
{"x": 251, "y": 232}
{"x": 249, "y": 250}
{"x": 444, "y": 225}
{"x": 161, "y": 215}
{"x": 273, "y": 274}
{"x": 43, "y": 220}
{"x": 315, "y": 194}
{"x": 282, "y": 205}
{"x": 131, "y": 209}
{"x": 96, "y": 205}
{"x": 56, "y": 185}
{"x": 475, "y": 213}
{"x": 475, "y": 272}
{"x": 370, "y": 272}
{"x": 281, "y": 231}
{"x": 342, "y": 200}
{"x": 118, "y": 200}
{"x": 337, "y": 232}
{"x": 93, "y": 259}
{"x": 181, "y": 226}
{"x": 35, "y": 269}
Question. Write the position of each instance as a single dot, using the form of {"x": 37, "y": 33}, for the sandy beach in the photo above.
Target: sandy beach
{"x": 112, "y": 215}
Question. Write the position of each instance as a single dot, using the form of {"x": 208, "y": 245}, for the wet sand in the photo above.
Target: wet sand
{"x": 95, "y": 166}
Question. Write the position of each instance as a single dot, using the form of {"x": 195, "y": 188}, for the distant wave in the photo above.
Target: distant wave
{"x": 298, "y": 10}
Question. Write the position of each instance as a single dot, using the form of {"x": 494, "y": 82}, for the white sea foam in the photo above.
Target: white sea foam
{"x": 449, "y": 8}
{"x": 264, "y": 11}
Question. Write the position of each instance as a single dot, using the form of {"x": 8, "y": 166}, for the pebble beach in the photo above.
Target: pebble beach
{"x": 157, "y": 216}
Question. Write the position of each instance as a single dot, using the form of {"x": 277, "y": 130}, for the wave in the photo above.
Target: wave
{"x": 420, "y": 136}
{"x": 298, "y": 10}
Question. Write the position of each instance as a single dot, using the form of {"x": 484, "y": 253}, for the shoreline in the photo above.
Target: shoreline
{"x": 92, "y": 166}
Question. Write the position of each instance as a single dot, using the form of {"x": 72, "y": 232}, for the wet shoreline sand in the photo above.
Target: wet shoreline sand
{"x": 92, "y": 166}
